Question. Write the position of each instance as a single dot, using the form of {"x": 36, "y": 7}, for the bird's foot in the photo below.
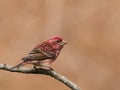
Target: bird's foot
{"x": 47, "y": 68}
{"x": 36, "y": 68}
{"x": 51, "y": 69}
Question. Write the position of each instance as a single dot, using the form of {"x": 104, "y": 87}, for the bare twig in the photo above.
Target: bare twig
{"x": 51, "y": 73}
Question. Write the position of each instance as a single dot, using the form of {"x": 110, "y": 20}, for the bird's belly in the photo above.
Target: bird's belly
{"x": 43, "y": 63}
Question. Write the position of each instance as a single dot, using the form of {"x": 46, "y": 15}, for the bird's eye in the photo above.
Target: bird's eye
{"x": 57, "y": 41}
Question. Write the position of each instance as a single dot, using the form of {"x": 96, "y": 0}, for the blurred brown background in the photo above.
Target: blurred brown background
{"x": 92, "y": 27}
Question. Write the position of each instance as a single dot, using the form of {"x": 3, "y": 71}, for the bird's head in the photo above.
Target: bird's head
{"x": 57, "y": 42}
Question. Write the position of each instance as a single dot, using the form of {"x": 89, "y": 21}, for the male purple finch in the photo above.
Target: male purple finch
{"x": 44, "y": 53}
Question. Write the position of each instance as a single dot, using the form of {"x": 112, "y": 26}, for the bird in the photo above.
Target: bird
{"x": 44, "y": 53}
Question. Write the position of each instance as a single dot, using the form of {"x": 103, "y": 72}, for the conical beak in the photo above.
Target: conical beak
{"x": 64, "y": 42}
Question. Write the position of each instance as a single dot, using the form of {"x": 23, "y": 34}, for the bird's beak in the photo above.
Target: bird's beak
{"x": 64, "y": 42}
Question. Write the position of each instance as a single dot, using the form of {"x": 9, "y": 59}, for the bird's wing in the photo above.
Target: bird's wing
{"x": 34, "y": 51}
{"x": 38, "y": 51}
{"x": 37, "y": 54}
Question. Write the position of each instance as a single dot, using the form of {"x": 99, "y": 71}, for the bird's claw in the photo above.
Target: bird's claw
{"x": 35, "y": 68}
{"x": 48, "y": 68}
{"x": 51, "y": 69}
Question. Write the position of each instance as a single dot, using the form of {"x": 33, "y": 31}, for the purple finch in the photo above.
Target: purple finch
{"x": 44, "y": 53}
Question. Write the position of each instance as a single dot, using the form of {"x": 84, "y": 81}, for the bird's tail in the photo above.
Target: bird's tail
{"x": 19, "y": 65}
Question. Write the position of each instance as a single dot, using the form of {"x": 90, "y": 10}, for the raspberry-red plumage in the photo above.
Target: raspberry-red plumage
{"x": 44, "y": 53}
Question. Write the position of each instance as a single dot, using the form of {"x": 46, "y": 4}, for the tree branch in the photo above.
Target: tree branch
{"x": 51, "y": 73}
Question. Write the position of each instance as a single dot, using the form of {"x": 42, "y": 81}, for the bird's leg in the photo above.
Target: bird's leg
{"x": 48, "y": 68}
{"x": 51, "y": 68}
{"x": 35, "y": 68}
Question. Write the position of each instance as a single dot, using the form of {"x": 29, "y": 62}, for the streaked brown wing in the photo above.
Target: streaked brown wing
{"x": 37, "y": 54}
{"x": 35, "y": 50}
